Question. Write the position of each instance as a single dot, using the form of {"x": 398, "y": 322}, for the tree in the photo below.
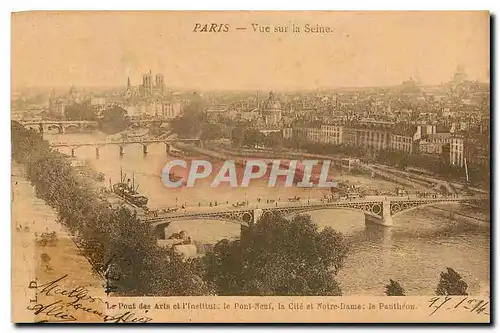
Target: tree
{"x": 278, "y": 257}
{"x": 211, "y": 132}
{"x": 253, "y": 137}
{"x": 274, "y": 139}
{"x": 403, "y": 162}
{"x": 451, "y": 283}
{"x": 237, "y": 136}
{"x": 190, "y": 123}
{"x": 76, "y": 111}
{"x": 114, "y": 120}
{"x": 394, "y": 289}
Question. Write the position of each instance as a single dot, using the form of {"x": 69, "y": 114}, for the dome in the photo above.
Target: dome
{"x": 271, "y": 103}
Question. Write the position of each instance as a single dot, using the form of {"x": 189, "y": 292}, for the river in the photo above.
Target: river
{"x": 422, "y": 243}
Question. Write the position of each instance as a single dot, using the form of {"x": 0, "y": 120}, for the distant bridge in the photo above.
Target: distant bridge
{"x": 121, "y": 143}
{"x": 380, "y": 211}
{"x": 78, "y": 125}
{"x": 60, "y": 125}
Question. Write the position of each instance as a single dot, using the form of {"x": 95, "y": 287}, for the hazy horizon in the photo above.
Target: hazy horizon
{"x": 365, "y": 50}
{"x": 47, "y": 89}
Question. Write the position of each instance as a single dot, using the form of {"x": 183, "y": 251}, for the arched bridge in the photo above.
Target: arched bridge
{"x": 122, "y": 143}
{"x": 60, "y": 125}
{"x": 380, "y": 211}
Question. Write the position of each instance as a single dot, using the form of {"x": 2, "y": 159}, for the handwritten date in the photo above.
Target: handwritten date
{"x": 465, "y": 303}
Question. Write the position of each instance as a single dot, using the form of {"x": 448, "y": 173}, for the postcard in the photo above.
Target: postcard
{"x": 250, "y": 167}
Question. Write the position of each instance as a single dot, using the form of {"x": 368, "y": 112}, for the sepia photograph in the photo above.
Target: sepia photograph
{"x": 250, "y": 166}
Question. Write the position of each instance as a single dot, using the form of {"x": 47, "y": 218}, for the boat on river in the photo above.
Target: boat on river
{"x": 127, "y": 190}
{"x": 175, "y": 178}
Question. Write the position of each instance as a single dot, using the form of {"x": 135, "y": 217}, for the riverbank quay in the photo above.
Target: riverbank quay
{"x": 42, "y": 250}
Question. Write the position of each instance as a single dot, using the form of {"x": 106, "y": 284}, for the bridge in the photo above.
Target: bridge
{"x": 59, "y": 125}
{"x": 121, "y": 143}
{"x": 380, "y": 210}
{"x": 78, "y": 125}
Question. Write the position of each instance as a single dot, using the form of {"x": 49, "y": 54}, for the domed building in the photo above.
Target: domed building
{"x": 271, "y": 110}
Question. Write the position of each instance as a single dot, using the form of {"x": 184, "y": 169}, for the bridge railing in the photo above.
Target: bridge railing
{"x": 188, "y": 211}
{"x": 120, "y": 141}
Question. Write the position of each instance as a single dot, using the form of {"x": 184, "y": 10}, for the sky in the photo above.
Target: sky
{"x": 57, "y": 49}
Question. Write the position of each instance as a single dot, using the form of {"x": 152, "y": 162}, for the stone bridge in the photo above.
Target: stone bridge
{"x": 380, "y": 211}
{"x": 122, "y": 143}
{"x": 60, "y": 125}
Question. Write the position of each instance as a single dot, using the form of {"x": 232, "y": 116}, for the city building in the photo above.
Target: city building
{"x": 287, "y": 133}
{"x": 216, "y": 112}
{"x": 248, "y": 115}
{"x": 271, "y": 110}
{"x": 97, "y": 100}
{"x": 171, "y": 110}
{"x": 309, "y": 134}
{"x": 331, "y": 134}
{"x": 477, "y": 151}
{"x": 372, "y": 139}
{"x": 349, "y": 136}
{"x": 453, "y": 152}
{"x": 403, "y": 138}
{"x": 402, "y": 143}
{"x": 427, "y": 129}
{"x": 74, "y": 95}
{"x": 432, "y": 144}
{"x": 148, "y": 88}
{"x": 379, "y": 124}
{"x": 57, "y": 105}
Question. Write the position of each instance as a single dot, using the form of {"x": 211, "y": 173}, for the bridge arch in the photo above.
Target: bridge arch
{"x": 398, "y": 209}
{"x": 374, "y": 210}
{"x": 165, "y": 223}
{"x": 89, "y": 126}
{"x": 52, "y": 127}
{"x": 33, "y": 127}
{"x": 71, "y": 127}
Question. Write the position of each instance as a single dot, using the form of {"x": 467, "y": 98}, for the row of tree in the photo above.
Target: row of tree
{"x": 250, "y": 137}
{"x": 436, "y": 165}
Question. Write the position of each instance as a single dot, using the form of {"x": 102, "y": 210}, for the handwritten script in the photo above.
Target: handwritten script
{"x": 462, "y": 303}
{"x": 66, "y": 304}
